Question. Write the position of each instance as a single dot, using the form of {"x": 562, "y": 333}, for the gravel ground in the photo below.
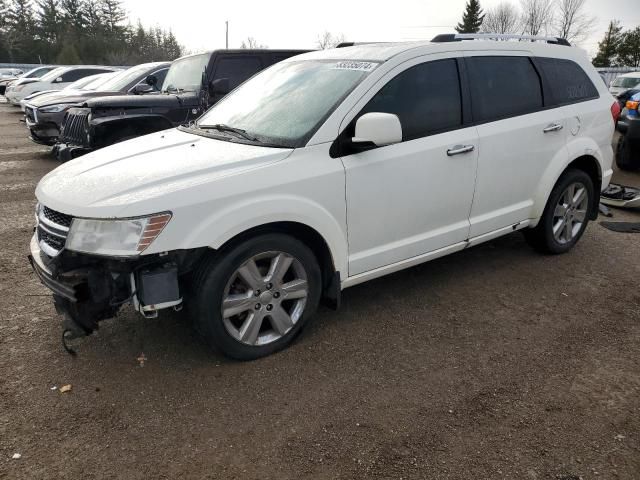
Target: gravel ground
{"x": 493, "y": 363}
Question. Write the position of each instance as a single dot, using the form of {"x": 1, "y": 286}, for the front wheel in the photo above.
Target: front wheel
{"x": 566, "y": 214}
{"x": 254, "y": 299}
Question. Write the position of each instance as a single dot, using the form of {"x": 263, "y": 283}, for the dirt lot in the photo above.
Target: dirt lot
{"x": 494, "y": 363}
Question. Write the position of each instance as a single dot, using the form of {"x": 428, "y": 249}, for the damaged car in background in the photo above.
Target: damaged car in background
{"x": 44, "y": 114}
{"x": 193, "y": 84}
{"x": 311, "y": 177}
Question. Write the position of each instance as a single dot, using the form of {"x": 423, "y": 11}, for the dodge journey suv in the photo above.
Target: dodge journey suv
{"x": 323, "y": 171}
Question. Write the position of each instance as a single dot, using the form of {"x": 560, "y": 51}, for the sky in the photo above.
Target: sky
{"x": 200, "y": 24}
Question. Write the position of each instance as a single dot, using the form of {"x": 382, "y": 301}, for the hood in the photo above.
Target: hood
{"x": 137, "y": 101}
{"x": 148, "y": 174}
{"x": 68, "y": 96}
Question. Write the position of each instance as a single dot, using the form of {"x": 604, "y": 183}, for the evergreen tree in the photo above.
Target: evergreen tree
{"x": 74, "y": 15}
{"x": 608, "y": 46}
{"x": 19, "y": 37}
{"x": 79, "y": 31}
{"x": 49, "y": 19}
{"x": 629, "y": 48}
{"x": 471, "y": 18}
{"x": 112, "y": 15}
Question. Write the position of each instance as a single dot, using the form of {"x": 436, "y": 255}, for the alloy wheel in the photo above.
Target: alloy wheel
{"x": 570, "y": 213}
{"x": 264, "y": 298}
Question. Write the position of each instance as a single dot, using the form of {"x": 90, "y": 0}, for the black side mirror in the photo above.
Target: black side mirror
{"x": 151, "y": 80}
{"x": 142, "y": 88}
{"x": 219, "y": 87}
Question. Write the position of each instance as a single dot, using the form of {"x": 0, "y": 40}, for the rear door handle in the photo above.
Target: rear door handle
{"x": 458, "y": 149}
{"x": 554, "y": 127}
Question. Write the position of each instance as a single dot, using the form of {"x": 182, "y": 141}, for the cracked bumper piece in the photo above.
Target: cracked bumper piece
{"x": 87, "y": 289}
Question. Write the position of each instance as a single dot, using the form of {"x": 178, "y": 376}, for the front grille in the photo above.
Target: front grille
{"x": 52, "y": 229}
{"x": 57, "y": 217}
{"x": 75, "y": 127}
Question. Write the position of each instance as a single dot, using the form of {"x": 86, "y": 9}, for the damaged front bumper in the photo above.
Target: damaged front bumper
{"x": 87, "y": 289}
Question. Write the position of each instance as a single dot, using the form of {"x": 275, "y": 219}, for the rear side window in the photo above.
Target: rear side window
{"x": 567, "y": 80}
{"x": 503, "y": 87}
{"x": 426, "y": 98}
{"x": 237, "y": 69}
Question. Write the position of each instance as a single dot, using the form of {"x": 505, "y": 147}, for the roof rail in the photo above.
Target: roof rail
{"x": 458, "y": 37}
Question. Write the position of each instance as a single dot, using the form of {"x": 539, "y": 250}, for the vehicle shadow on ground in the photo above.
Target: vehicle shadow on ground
{"x": 172, "y": 338}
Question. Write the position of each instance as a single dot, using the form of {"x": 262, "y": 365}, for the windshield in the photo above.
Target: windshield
{"x": 286, "y": 103}
{"x": 626, "y": 82}
{"x": 91, "y": 82}
{"x": 124, "y": 78}
{"x": 53, "y": 74}
{"x": 38, "y": 72}
{"x": 185, "y": 74}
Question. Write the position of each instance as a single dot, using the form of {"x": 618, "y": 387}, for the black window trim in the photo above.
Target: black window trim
{"x": 475, "y": 122}
{"x": 339, "y": 147}
{"x": 549, "y": 91}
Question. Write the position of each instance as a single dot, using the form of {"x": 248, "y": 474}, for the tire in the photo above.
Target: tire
{"x": 624, "y": 155}
{"x": 546, "y": 237}
{"x": 259, "y": 328}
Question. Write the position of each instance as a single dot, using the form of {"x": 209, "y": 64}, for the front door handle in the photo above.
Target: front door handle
{"x": 458, "y": 149}
{"x": 554, "y": 127}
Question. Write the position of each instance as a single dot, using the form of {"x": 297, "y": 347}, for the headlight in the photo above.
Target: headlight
{"x": 125, "y": 237}
{"x": 56, "y": 108}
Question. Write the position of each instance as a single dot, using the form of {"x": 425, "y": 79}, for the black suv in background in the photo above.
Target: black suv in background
{"x": 193, "y": 84}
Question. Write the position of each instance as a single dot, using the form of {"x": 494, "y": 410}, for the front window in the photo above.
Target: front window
{"x": 285, "y": 104}
{"x": 53, "y": 74}
{"x": 122, "y": 79}
{"x": 626, "y": 82}
{"x": 185, "y": 74}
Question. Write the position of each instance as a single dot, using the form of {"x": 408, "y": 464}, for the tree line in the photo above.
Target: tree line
{"x": 567, "y": 19}
{"x": 71, "y": 32}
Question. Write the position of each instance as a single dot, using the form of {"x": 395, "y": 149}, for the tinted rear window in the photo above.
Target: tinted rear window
{"x": 503, "y": 87}
{"x": 568, "y": 81}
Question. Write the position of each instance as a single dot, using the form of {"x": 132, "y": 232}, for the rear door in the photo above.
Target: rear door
{"x": 518, "y": 138}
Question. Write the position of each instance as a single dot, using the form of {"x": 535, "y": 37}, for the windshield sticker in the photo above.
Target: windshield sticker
{"x": 360, "y": 66}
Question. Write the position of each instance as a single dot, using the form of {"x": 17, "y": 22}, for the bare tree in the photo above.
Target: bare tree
{"x": 572, "y": 22}
{"x": 536, "y": 16}
{"x": 252, "y": 43}
{"x": 503, "y": 18}
{"x": 329, "y": 40}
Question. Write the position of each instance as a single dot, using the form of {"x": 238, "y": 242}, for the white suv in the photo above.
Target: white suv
{"x": 322, "y": 172}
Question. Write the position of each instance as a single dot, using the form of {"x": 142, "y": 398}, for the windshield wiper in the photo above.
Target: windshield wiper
{"x": 226, "y": 128}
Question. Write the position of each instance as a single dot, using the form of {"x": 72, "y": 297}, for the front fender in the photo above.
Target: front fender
{"x": 239, "y": 217}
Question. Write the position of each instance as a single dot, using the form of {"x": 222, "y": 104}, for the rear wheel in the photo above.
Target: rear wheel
{"x": 255, "y": 298}
{"x": 566, "y": 214}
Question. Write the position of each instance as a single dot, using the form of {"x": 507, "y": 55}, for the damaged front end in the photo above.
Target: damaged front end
{"x": 90, "y": 288}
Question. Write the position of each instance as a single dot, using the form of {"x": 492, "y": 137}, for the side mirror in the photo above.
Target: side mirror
{"x": 219, "y": 87}
{"x": 378, "y": 128}
{"x": 58, "y": 80}
{"x": 141, "y": 88}
{"x": 151, "y": 80}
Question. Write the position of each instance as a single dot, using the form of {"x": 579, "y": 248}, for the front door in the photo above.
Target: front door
{"x": 414, "y": 197}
